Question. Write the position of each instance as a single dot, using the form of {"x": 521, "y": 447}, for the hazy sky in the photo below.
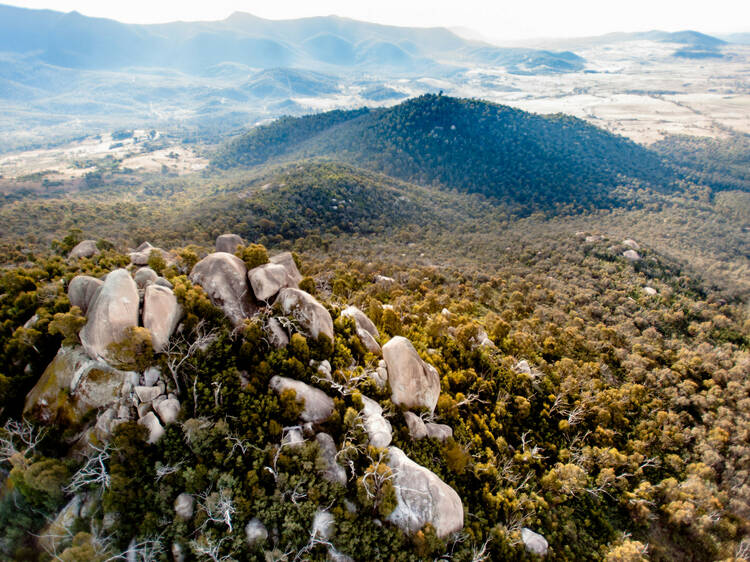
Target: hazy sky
{"x": 492, "y": 18}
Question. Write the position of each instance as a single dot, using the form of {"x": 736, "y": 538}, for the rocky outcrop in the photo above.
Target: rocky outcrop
{"x": 161, "y": 314}
{"x": 318, "y": 405}
{"x": 144, "y": 277}
{"x": 366, "y": 330}
{"x": 267, "y": 280}
{"x": 114, "y": 310}
{"x": 631, "y": 255}
{"x": 378, "y": 429}
{"x": 422, "y": 498}
{"x": 328, "y": 467}
{"x": 229, "y": 243}
{"x": 82, "y": 290}
{"x": 224, "y": 279}
{"x": 414, "y": 383}
{"x": 286, "y": 260}
{"x": 85, "y": 249}
{"x": 534, "y": 542}
{"x": 308, "y": 312}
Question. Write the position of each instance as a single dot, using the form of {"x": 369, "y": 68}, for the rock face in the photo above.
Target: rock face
{"x": 329, "y": 469}
{"x": 267, "y": 280}
{"x": 287, "y": 260}
{"x": 229, "y": 243}
{"x": 534, "y": 542}
{"x": 366, "y": 330}
{"x": 631, "y": 255}
{"x": 72, "y": 385}
{"x": 413, "y": 382}
{"x": 378, "y": 429}
{"x": 111, "y": 314}
{"x": 311, "y": 315}
{"x": 224, "y": 278}
{"x": 422, "y": 498}
{"x": 318, "y": 405}
{"x": 82, "y": 290}
{"x": 85, "y": 249}
{"x": 161, "y": 314}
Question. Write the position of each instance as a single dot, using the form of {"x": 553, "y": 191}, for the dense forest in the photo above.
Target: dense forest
{"x": 469, "y": 145}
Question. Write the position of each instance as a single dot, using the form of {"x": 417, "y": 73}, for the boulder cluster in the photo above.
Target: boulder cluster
{"x": 123, "y": 300}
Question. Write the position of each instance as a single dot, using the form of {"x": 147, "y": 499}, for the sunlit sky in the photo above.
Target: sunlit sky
{"x": 493, "y": 19}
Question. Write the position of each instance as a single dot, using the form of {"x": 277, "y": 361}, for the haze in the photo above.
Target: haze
{"x": 492, "y": 20}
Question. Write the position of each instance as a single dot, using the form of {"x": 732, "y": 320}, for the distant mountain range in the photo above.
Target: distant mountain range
{"x": 469, "y": 145}
{"x": 331, "y": 43}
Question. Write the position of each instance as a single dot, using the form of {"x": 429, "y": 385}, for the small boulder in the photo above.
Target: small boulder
{"x": 422, "y": 497}
{"x": 631, "y": 255}
{"x": 163, "y": 283}
{"x": 650, "y": 291}
{"x": 168, "y": 410}
{"x": 161, "y": 314}
{"x": 229, "y": 243}
{"x": 144, "y": 277}
{"x": 151, "y": 376}
{"x": 380, "y": 374}
{"x": 308, "y": 312}
{"x": 534, "y": 542}
{"x": 82, "y": 290}
{"x": 522, "y": 367}
{"x": 318, "y": 405}
{"x": 155, "y": 429}
{"x": 632, "y": 244}
{"x": 328, "y": 467}
{"x": 413, "y": 382}
{"x": 267, "y": 280}
{"x": 276, "y": 333}
{"x": 378, "y": 429}
{"x": 323, "y": 525}
{"x": 439, "y": 431}
{"x": 384, "y": 281}
{"x": 366, "y": 330}
{"x": 147, "y": 393}
{"x": 85, "y": 249}
{"x": 184, "y": 505}
{"x": 114, "y": 310}
{"x": 287, "y": 260}
{"x": 292, "y": 437}
{"x": 224, "y": 278}
{"x": 255, "y": 532}
{"x": 417, "y": 429}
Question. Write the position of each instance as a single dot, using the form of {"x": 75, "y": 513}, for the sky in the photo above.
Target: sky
{"x": 492, "y": 19}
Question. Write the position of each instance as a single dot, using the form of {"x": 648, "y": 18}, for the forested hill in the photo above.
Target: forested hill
{"x": 469, "y": 145}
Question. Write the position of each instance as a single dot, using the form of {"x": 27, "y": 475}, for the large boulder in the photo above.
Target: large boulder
{"x": 224, "y": 278}
{"x": 229, "y": 243}
{"x": 114, "y": 310}
{"x": 161, "y": 314}
{"x": 414, "y": 383}
{"x": 168, "y": 410}
{"x": 534, "y": 542}
{"x": 287, "y": 260}
{"x": 378, "y": 429}
{"x": 366, "y": 330}
{"x": 82, "y": 291}
{"x": 85, "y": 249}
{"x": 328, "y": 467}
{"x": 318, "y": 405}
{"x": 309, "y": 313}
{"x": 422, "y": 497}
{"x": 73, "y": 385}
{"x": 184, "y": 505}
{"x": 267, "y": 280}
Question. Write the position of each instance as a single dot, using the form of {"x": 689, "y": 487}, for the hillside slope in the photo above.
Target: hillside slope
{"x": 469, "y": 145}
